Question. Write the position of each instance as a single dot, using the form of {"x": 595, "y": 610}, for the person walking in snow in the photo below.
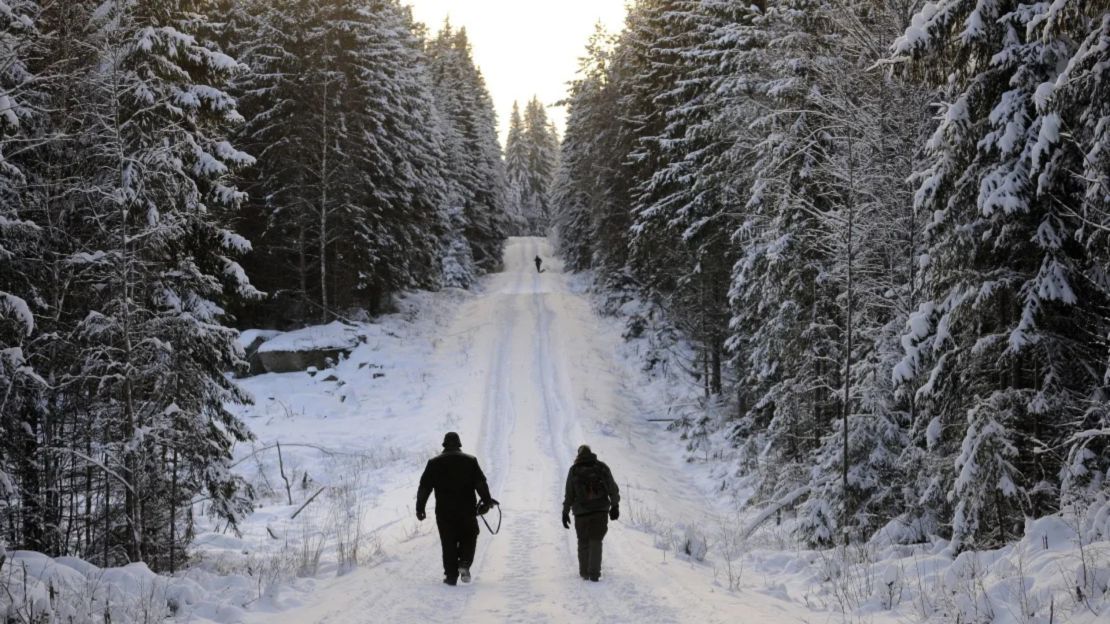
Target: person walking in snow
{"x": 454, "y": 476}
{"x": 539, "y": 264}
{"x": 594, "y": 497}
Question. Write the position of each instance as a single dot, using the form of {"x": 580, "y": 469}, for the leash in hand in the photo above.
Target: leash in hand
{"x": 481, "y": 511}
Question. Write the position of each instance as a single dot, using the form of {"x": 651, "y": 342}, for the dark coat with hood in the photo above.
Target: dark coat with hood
{"x": 601, "y": 505}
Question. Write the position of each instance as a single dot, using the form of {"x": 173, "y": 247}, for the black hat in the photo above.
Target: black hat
{"x": 584, "y": 450}
{"x": 452, "y": 441}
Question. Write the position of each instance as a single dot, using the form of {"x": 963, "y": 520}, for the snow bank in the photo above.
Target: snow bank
{"x": 36, "y": 588}
{"x": 1053, "y": 574}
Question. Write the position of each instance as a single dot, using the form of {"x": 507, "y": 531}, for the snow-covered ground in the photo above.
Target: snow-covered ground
{"x": 525, "y": 370}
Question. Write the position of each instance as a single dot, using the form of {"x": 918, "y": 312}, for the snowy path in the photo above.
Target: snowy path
{"x": 525, "y": 368}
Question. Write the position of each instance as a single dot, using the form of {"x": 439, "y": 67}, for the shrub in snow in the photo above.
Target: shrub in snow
{"x": 987, "y": 490}
{"x": 694, "y": 544}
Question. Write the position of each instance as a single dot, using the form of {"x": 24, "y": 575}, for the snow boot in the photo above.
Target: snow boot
{"x": 450, "y": 581}
{"x": 464, "y": 574}
{"x": 595, "y": 578}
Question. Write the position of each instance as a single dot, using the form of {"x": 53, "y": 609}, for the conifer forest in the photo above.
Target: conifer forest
{"x": 875, "y": 232}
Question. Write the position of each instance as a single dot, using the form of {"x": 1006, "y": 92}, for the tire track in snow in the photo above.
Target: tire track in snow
{"x": 620, "y": 596}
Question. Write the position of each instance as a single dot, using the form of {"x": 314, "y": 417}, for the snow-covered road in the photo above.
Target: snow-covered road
{"x": 526, "y": 369}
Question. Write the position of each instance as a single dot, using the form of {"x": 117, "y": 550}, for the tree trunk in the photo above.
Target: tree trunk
{"x": 848, "y": 349}
{"x": 32, "y": 527}
{"x": 302, "y": 251}
{"x": 324, "y": 212}
{"x": 173, "y": 513}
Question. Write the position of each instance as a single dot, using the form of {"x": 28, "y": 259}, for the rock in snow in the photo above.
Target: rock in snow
{"x": 320, "y": 346}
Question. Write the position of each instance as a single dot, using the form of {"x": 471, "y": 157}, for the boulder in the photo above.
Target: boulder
{"x": 321, "y": 347}
{"x": 293, "y": 361}
{"x": 251, "y": 340}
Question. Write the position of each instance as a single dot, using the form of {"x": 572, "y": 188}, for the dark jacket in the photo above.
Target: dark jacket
{"x": 581, "y": 508}
{"x": 454, "y": 476}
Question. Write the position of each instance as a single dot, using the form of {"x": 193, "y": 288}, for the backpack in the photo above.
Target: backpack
{"x": 589, "y": 484}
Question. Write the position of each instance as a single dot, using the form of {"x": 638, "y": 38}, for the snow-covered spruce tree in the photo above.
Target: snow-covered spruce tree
{"x": 458, "y": 266}
{"x": 53, "y": 217}
{"x": 579, "y": 193}
{"x": 627, "y": 98}
{"x": 18, "y": 244}
{"x": 406, "y": 162}
{"x": 685, "y": 209}
{"x": 154, "y": 353}
{"x": 875, "y": 124}
{"x": 285, "y": 108}
{"x": 350, "y": 191}
{"x": 516, "y": 171}
{"x": 1081, "y": 99}
{"x": 784, "y": 301}
{"x": 1008, "y": 347}
{"x": 17, "y": 35}
{"x": 531, "y": 160}
{"x": 592, "y": 230}
{"x": 542, "y": 143}
{"x": 650, "y": 53}
{"x": 476, "y": 167}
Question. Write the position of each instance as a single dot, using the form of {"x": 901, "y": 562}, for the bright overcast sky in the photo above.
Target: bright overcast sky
{"x": 524, "y": 47}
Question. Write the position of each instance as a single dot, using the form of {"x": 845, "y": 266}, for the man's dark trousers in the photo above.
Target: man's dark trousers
{"x": 590, "y": 529}
{"x": 458, "y": 535}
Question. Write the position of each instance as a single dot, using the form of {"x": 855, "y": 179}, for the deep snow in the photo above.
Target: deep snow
{"x": 525, "y": 370}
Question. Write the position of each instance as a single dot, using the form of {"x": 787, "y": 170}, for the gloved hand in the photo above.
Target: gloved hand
{"x": 420, "y": 515}
{"x": 566, "y": 519}
{"x": 614, "y": 512}
{"x": 485, "y": 506}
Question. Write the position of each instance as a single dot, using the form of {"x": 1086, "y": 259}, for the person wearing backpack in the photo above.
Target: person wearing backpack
{"x": 454, "y": 476}
{"x": 594, "y": 497}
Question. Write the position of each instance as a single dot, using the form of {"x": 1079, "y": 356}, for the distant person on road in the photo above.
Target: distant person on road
{"x": 539, "y": 264}
{"x": 593, "y": 496}
{"x": 454, "y": 476}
